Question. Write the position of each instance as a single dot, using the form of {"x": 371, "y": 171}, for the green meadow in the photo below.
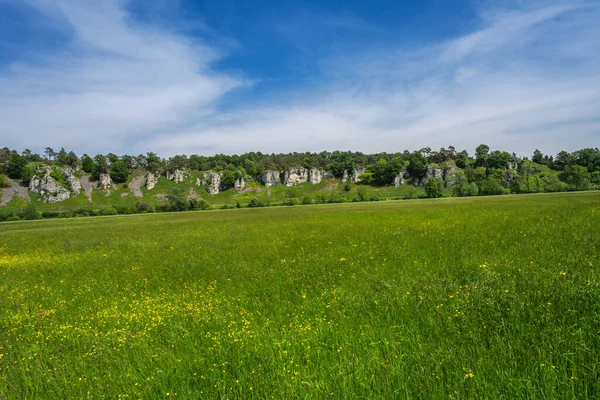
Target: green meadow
{"x": 483, "y": 297}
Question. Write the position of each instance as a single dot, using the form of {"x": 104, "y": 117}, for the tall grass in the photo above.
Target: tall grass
{"x": 472, "y": 298}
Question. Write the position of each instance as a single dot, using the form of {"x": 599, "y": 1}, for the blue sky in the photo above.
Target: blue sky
{"x": 206, "y": 77}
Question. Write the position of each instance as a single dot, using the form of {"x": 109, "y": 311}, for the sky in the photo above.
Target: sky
{"x": 233, "y": 76}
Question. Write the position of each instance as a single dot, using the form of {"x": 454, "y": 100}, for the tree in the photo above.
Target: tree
{"x": 538, "y": 157}
{"x": 577, "y": 176}
{"x": 49, "y": 152}
{"x": 481, "y": 154}
{"x": 30, "y": 212}
{"x": 177, "y": 199}
{"x": 491, "y": 186}
{"x": 434, "y": 188}
{"x": 119, "y": 172}
{"x": 459, "y": 183}
{"x": 16, "y": 165}
{"x": 61, "y": 156}
{"x": 87, "y": 163}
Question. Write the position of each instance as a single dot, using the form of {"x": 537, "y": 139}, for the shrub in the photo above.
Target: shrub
{"x": 254, "y": 202}
{"x": 434, "y": 188}
{"x": 30, "y": 212}
{"x": 306, "y": 200}
{"x": 142, "y": 207}
{"x": 292, "y": 201}
{"x": 347, "y": 187}
{"x": 4, "y": 183}
{"x": 125, "y": 209}
{"x": 109, "y": 211}
{"x": 13, "y": 218}
{"x": 50, "y": 214}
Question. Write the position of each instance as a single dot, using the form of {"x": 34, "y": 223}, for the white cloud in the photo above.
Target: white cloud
{"x": 527, "y": 78}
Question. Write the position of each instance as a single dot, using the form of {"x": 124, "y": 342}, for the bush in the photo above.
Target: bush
{"x": 82, "y": 212}
{"x": 30, "y": 212}
{"x": 306, "y": 200}
{"x": 363, "y": 194}
{"x": 109, "y": 211}
{"x": 434, "y": 188}
{"x": 50, "y": 214}
{"x": 254, "y": 202}
{"x": 13, "y": 218}
{"x": 5, "y": 214}
{"x": 4, "y": 183}
{"x": 347, "y": 187}
{"x": 292, "y": 201}
{"x": 142, "y": 207}
{"x": 125, "y": 209}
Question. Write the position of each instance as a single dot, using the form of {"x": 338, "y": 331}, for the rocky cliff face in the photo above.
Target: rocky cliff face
{"x": 104, "y": 182}
{"x": 355, "y": 177}
{"x": 72, "y": 180}
{"x": 510, "y": 172}
{"x": 448, "y": 177}
{"x": 295, "y": 176}
{"x": 433, "y": 171}
{"x": 178, "y": 176}
{"x": 271, "y": 178}
{"x": 240, "y": 184}
{"x": 399, "y": 179}
{"x": 212, "y": 182}
{"x": 151, "y": 180}
{"x": 48, "y": 187}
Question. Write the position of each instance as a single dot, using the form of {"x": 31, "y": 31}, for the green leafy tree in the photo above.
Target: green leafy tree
{"x": 177, "y": 199}
{"x": 576, "y": 176}
{"x": 30, "y": 212}
{"x": 119, "y": 171}
{"x": 87, "y": 163}
{"x": 434, "y": 188}
{"x": 16, "y": 165}
{"x": 481, "y": 154}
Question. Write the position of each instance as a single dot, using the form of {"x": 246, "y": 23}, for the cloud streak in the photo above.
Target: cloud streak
{"x": 527, "y": 77}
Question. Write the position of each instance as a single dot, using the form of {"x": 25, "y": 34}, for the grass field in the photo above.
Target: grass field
{"x": 493, "y": 297}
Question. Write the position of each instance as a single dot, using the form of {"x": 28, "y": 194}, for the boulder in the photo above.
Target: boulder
{"x": 271, "y": 178}
{"x": 345, "y": 177}
{"x": 151, "y": 180}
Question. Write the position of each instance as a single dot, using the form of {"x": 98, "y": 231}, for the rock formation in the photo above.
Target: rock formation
{"x": 449, "y": 177}
{"x": 104, "y": 182}
{"x": 240, "y": 184}
{"x": 295, "y": 176}
{"x": 178, "y": 176}
{"x": 212, "y": 182}
{"x": 72, "y": 180}
{"x": 271, "y": 178}
{"x": 151, "y": 180}
{"x": 432, "y": 171}
{"x": 355, "y": 177}
{"x": 48, "y": 187}
{"x": 399, "y": 179}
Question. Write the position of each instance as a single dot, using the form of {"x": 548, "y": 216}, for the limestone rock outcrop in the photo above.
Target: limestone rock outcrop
{"x": 355, "y": 177}
{"x": 433, "y": 171}
{"x": 48, "y": 187}
{"x": 178, "y": 176}
{"x": 271, "y": 178}
{"x": 295, "y": 176}
{"x": 212, "y": 182}
{"x": 239, "y": 184}
{"x": 399, "y": 179}
{"x": 151, "y": 180}
{"x": 72, "y": 180}
{"x": 104, "y": 182}
{"x": 449, "y": 176}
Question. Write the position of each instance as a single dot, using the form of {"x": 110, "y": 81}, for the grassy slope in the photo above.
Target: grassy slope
{"x": 462, "y": 298}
